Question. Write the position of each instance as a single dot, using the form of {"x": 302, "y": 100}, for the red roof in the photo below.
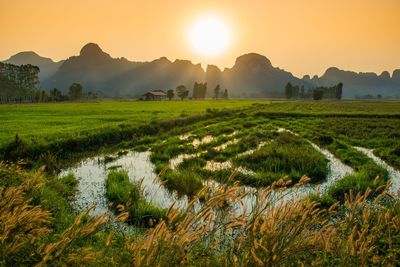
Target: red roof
{"x": 156, "y": 93}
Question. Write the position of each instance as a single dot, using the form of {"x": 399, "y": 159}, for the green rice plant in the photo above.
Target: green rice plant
{"x": 127, "y": 199}
{"x": 183, "y": 181}
{"x": 371, "y": 177}
{"x": 118, "y": 187}
{"x": 348, "y": 155}
{"x": 286, "y": 155}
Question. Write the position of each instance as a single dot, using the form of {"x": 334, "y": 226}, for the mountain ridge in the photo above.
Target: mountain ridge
{"x": 252, "y": 75}
{"x": 47, "y": 66}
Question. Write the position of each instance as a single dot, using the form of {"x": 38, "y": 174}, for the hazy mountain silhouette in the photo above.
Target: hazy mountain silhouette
{"x": 92, "y": 68}
{"x": 252, "y": 75}
{"x": 158, "y": 74}
{"x": 47, "y": 66}
{"x": 396, "y": 76}
{"x": 359, "y": 84}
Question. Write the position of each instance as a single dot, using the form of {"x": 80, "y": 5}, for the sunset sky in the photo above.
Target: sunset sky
{"x": 304, "y": 37}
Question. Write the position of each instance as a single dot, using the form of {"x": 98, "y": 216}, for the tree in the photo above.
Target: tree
{"x": 339, "y": 91}
{"x": 18, "y": 82}
{"x": 289, "y": 90}
{"x": 302, "y": 92}
{"x": 295, "y": 91}
{"x": 199, "y": 90}
{"x": 170, "y": 94}
{"x": 318, "y": 94}
{"x": 91, "y": 95}
{"x": 55, "y": 94}
{"x": 182, "y": 92}
{"x": 43, "y": 96}
{"x": 225, "y": 93}
{"x": 75, "y": 91}
{"x": 216, "y": 91}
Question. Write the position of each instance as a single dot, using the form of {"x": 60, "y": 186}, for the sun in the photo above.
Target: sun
{"x": 209, "y": 36}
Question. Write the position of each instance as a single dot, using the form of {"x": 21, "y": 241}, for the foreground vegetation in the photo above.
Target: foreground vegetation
{"x": 358, "y": 232}
{"x": 270, "y": 146}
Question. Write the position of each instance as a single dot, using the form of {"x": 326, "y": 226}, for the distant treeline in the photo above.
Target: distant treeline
{"x": 75, "y": 93}
{"x": 368, "y": 96}
{"x": 317, "y": 93}
{"x": 199, "y": 92}
{"x": 20, "y": 84}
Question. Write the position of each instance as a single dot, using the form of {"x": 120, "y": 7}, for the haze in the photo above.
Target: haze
{"x": 304, "y": 37}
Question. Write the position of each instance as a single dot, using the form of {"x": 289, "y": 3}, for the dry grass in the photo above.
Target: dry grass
{"x": 21, "y": 224}
{"x": 26, "y": 236}
{"x": 360, "y": 232}
{"x": 63, "y": 249}
{"x": 212, "y": 231}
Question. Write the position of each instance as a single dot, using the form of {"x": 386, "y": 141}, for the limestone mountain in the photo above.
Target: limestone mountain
{"x": 158, "y": 74}
{"x": 252, "y": 75}
{"x": 396, "y": 76}
{"x": 92, "y": 68}
{"x": 46, "y": 65}
{"x": 360, "y": 84}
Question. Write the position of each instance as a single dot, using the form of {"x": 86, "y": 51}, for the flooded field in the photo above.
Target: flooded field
{"x": 92, "y": 172}
{"x": 259, "y": 153}
{"x": 233, "y": 178}
{"x": 394, "y": 175}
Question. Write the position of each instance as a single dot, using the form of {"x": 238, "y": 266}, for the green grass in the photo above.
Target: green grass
{"x": 187, "y": 178}
{"x": 118, "y": 188}
{"x": 54, "y": 121}
{"x": 382, "y": 107}
{"x": 119, "y": 191}
{"x": 285, "y": 155}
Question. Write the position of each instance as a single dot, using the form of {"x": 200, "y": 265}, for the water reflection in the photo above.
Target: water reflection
{"x": 92, "y": 173}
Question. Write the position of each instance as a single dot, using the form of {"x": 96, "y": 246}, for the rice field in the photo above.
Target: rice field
{"x": 214, "y": 184}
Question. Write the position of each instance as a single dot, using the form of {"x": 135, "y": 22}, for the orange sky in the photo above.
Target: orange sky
{"x": 304, "y": 37}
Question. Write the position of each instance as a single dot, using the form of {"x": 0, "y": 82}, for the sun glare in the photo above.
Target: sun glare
{"x": 209, "y": 36}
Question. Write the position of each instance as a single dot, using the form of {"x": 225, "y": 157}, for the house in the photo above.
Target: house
{"x": 155, "y": 95}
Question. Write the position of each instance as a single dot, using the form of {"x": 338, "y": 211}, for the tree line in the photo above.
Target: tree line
{"x": 75, "y": 93}
{"x": 199, "y": 92}
{"x": 316, "y": 93}
{"x": 18, "y": 83}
